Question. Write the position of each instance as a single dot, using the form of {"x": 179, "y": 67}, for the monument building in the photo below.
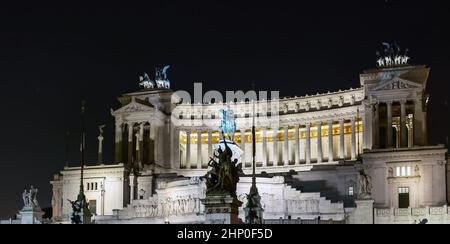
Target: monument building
{"x": 353, "y": 156}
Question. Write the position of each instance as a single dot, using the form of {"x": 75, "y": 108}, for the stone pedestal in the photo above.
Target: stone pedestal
{"x": 364, "y": 211}
{"x": 221, "y": 209}
{"x": 31, "y": 215}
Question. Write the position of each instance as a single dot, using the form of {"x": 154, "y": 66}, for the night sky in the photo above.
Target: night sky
{"x": 53, "y": 56}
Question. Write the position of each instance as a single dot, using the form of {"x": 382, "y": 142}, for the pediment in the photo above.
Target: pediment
{"x": 134, "y": 107}
{"x": 397, "y": 84}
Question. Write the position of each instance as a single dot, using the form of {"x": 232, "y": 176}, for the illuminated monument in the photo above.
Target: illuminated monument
{"x": 352, "y": 156}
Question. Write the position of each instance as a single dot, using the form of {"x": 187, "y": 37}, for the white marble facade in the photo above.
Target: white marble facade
{"x": 379, "y": 127}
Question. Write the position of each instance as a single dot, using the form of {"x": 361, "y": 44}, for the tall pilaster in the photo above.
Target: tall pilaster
{"x": 368, "y": 124}
{"x": 419, "y": 133}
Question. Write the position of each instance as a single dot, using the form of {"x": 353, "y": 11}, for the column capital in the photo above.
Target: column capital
{"x": 308, "y": 125}
{"x": 403, "y": 101}
{"x": 341, "y": 120}
{"x": 330, "y": 121}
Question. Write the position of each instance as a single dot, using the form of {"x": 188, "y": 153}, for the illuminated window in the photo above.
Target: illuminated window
{"x": 404, "y": 171}
{"x": 351, "y": 191}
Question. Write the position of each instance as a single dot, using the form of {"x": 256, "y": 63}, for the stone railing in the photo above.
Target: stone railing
{"x": 434, "y": 215}
{"x": 302, "y": 221}
{"x": 10, "y": 221}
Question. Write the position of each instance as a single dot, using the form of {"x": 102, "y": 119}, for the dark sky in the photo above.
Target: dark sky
{"x": 53, "y": 56}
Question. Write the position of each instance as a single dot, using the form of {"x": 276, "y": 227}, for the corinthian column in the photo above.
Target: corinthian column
{"x": 141, "y": 144}
{"x": 403, "y": 130}
{"x": 275, "y": 147}
{"x": 297, "y": 144}
{"x": 243, "y": 147}
{"x": 330, "y": 141}
{"x": 389, "y": 124}
{"x": 118, "y": 139}
{"x": 264, "y": 151}
{"x": 308, "y": 144}
{"x": 341, "y": 139}
{"x": 210, "y": 145}
{"x": 286, "y": 146}
{"x": 100, "y": 150}
{"x": 199, "y": 149}
{"x": 319, "y": 142}
{"x": 188, "y": 149}
{"x": 130, "y": 143}
{"x": 353, "y": 138}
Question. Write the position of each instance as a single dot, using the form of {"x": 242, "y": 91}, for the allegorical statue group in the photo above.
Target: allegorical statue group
{"x": 161, "y": 80}
{"x": 392, "y": 55}
{"x": 223, "y": 176}
{"x": 30, "y": 198}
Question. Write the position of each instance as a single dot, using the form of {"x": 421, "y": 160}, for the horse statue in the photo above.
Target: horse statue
{"x": 228, "y": 123}
{"x": 146, "y": 82}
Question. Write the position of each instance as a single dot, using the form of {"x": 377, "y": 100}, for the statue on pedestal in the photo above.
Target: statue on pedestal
{"x": 30, "y": 198}
{"x": 76, "y": 210}
{"x": 223, "y": 175}
{"x": 365, "y": 184}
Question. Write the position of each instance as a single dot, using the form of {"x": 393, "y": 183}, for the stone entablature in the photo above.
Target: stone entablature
{"x": 305, "y": 109}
